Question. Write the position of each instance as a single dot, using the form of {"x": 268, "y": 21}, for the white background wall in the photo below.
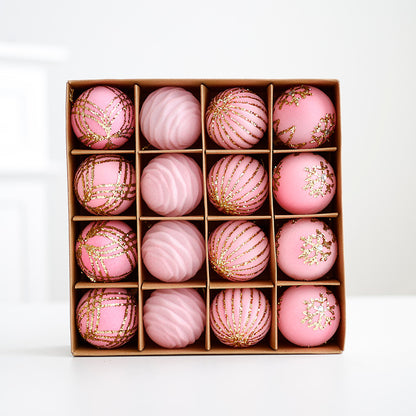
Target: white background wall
{"x": 368, "y": 45}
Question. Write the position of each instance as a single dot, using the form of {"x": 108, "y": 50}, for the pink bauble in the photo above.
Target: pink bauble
{"x": 107, "y": 318}
{"x": 237, "y": 185}
{"x": 304, "y": 183}
{"x": 173, "y": 251}
{"x": 106, "y": 251}
{"x": 105, "y": 184}
{"x": 240, "y": 317}
{"x": 174, "y": 318}
{"x": 236, "y": 119}
{"x": 171, "y": 185}
{"x": 308, "y": 316}
{"x": 103, "y": 117}
{"x": 306, "y": 249}
{"x": 170, "y": 118}
{"x": 238, "y": 250}
{"x": 304, "y": 117}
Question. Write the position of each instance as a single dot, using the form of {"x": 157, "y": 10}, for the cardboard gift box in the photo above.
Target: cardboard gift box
{"x": 272, "y": 282}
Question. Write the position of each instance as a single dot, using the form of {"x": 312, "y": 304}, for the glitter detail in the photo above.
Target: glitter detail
{"x": 293, "y": 96}
{"x": 276, "y": 178}
{"x": 319, "y": 313}
{"x": 315, "y": 248}
{"x": 323, "y": 130}
{"x": 290, "y": 131}
{"x": 319, "y": 180}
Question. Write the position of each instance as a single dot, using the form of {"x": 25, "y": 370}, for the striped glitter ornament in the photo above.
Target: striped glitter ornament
{"x": 107, "y": 318}
{"x": 102, "y": 117}
{"x": 237, "y": 185}
{"x": 238, "y": 250}
{"x": 236, "y": 119}
{"x": 240, "y": 317}
{"x": 105, "y": 184}
{"x": 106, "y": 251}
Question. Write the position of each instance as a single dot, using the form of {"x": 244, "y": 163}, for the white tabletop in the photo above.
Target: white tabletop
{"x": 375, "y": 375}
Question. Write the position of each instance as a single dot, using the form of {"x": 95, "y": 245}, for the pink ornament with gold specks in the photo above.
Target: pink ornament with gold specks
{"x": 304, "y": 183}
{"x": 105, "y": 184}
{"x": 304, "y": 117}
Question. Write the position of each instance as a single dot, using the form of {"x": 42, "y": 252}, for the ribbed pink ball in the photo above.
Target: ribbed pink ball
{"x": 308, "y": 316}
{"x": 170, "y": 118}
{"x": 304, "y": 117}
{"x": 107, "y": 318}
{"x": 103, "y": 117}
{"x": 237, "y": 185}
{"x": 105, "y": 184}
{"x": 106, "y": 251}
{"x": 174, "y": 318}
{"x": 306, "y": 249}
{"x": 240, "y": 317}
{"x": 304, "y": 183}
{"x": 171, "y": 185}
{"x": 238, "y": 250}
{"x": 173, "y": 251}
{"x": 236, "y": 119}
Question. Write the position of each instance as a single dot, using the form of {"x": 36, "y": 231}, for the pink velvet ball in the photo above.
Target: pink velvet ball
{"x": 308, "y": 316}
{"x": 306, "y": 249}
{"x": 236, "y": 119}
{"x": 304, "y": 117}
{"x": 240, "y": 317}
{"x": 174, "y": 318}
{"x": 103, "y": 117}
{"x": 107, "y": 318}
{"x": 106, "y": 251}
{"x": 304, "y": 183}
{"x": 171, "y": 185}
{"x": 170, "y": 118}
{"x": 237, "y": 185}
{"x": 173, "y": 251}
{"x": 238, "y": 250}
{"x": 105, "y": 184}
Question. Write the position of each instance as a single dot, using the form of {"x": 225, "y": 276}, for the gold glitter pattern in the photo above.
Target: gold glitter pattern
{"x": 238, "y": 321}
{"x": 286, "y": 136}
{"x": 315, "y": 248}
{"x": 276, "y": 177}
{"x": 319, "y": 180}
{"x": 114, "y": 332}
{"x": 120, "y": 244}
{"x": 114, "y": 197}
{"x": 293, "y": 96}
{"x": 323, "y": 130}
{"x": 319, "y": 313}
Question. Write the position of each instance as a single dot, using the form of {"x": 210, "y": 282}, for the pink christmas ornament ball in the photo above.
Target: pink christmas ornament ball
{"x": 173, "y": 251}
{"x": 240, "y": 317}
{"x": 237, "y": 185}
{"x": 304, "y": 117}
{"x": 238, "y": 250}
{"x": 171, "y": 184}
{"x": 107, "y": 318}
{"x": 306, "y": 249}
{"x": 308, "y": 316}
{"x": 170, "y": 118}
{"x": 304, "y": 183}
{"x": 106, "y": 251}
{"x": 105, "y": 184}
{"x": 236, "y": 119}
{"x": 174, "y": 318}
{"x": 102, "y": 117}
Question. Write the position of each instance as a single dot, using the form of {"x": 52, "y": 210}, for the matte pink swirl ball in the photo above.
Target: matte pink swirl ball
{"x": 237, "y": 185}
{"x": 240, "y": 317}
{"x": 236, "y": 119}
{"x": 103, "y": 117}
{"x": 107, "y": 318}
{"x": 106, "y": 251}
{"x": 105, "y": 184}
{"x": 174, "y": 318}
{"x": 306, "y": 249}
{"x": 304, "y": 117}
{"x": 308, "y": 316}
{"x": 173, "y": 251}
{"x": 171, "y": 185}
{"x": 304, "y": 183}
{"x": 170, "y": 118}
{"x": 238, "y": 250}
